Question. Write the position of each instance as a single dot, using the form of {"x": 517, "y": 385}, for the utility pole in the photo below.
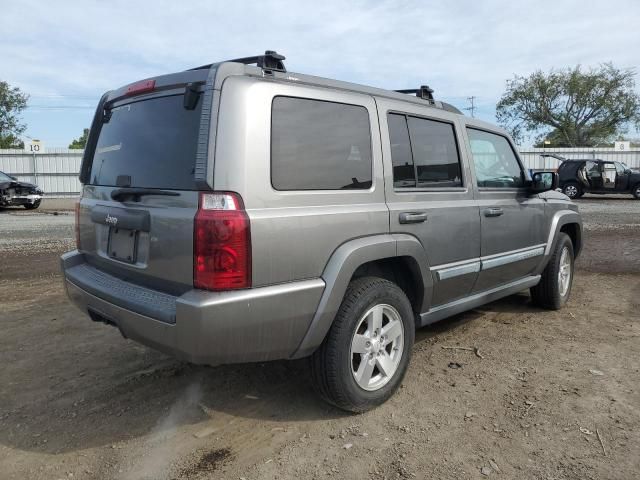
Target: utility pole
{"x": 472, "y": 108}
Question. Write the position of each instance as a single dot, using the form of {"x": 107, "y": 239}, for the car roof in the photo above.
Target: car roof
{"x": 271, "y": 65}
{"x": 585, "y": 160}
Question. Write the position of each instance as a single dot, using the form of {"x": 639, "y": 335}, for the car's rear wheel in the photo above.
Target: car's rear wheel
{"x": 365, "y": 355}
{"x": 555, "y": 285}
{"x": 636, "y": 191}
{"x": 572, "y": 190}
{"x": 32, "y": 206}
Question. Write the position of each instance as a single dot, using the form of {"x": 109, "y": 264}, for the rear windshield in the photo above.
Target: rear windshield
{"x": 150, "y": 144}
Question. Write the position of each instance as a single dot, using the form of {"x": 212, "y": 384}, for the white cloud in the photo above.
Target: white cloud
{"x": 459, "y": 48}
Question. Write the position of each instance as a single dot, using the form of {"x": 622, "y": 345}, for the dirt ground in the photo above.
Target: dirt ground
{"x": 555, "y": 395}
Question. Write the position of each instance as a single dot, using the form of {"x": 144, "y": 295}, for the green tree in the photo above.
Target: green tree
{"x": 571, "y": 107}
{"x": 82, "y": 141}
{"x": 12, "y": 103}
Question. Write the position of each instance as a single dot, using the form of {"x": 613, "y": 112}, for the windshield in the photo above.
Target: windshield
{"x": 149, "y": 144}
{"x": 5, "y": 178}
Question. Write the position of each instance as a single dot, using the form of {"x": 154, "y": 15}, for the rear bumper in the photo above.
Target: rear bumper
{"x": 258, "y": 324}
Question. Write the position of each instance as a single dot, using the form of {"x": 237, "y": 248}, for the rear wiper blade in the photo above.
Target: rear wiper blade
{"x": 136, "y": 193}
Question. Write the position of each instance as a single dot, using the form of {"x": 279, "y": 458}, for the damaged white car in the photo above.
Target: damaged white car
{"x": 15, "y": 193}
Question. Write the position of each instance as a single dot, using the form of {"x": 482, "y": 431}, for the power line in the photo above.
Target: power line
{"x": 55, "y": 96}
{"x": 60, "y": 107}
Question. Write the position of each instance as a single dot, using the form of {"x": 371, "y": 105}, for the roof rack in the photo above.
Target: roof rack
{"x": 424, "y": 92}
{"x": 271, "y": 60}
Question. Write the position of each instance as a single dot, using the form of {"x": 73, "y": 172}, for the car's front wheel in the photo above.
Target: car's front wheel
{"x": 555, "y": 285}
{"x": 572, "y": 190}
{"x": 636, "y": 191}
{"x": 365, "y": 355}
{"x": 32, "y": 206}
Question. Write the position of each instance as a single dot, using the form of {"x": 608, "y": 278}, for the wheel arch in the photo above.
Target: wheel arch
{"x": 390, "y": 256}
{"x": 564, "y": 221}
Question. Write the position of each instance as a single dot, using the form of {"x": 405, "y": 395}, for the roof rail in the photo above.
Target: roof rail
{"x": 271, "y": 60}
{"x": 424, "y": 92}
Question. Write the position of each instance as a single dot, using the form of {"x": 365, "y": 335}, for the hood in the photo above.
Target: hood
{"x": 19, "y": 184}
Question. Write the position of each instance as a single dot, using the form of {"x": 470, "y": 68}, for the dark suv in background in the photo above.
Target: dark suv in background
{"x": 578, "y": 177}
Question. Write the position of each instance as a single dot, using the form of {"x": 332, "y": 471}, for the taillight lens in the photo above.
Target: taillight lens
{"x": 144, "y": 86}
{"x": 221, "y": 243}
{"x": 77, "y": 227}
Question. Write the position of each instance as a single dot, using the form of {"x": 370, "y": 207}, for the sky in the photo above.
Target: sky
{"x": 65, "y": 54}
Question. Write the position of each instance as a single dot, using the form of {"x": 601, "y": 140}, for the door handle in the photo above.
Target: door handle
{"x": 493, "y": 212}
{"x": 413, "y": 217}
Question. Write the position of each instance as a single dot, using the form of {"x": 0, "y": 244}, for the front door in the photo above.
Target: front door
{"x": 429, "y": 194}
{"x": 511, "y": 220}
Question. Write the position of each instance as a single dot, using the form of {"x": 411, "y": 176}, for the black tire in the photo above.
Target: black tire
{"x": 572, "y": 190}
{"x": 332, "y": 363}
{"x": 32, "y": 206}
{"x": 548, "y": 294}
{"x": 636, "y": 191}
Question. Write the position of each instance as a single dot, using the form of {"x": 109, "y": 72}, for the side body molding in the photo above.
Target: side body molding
{"x": 340, "y": 268}
{"x": 559, "y": 219}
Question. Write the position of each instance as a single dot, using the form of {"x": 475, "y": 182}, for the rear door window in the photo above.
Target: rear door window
{"x": 150, "y": 144}
{"x": 424, "y": 152}
{"x": 435, "y": 153}
{"x": 404, "y": 174}
{"x": 319, "y": 145}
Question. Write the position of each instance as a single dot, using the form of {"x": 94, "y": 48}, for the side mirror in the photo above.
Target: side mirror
{"x": 543, "y": 181}
{"x": 12, "y": 177}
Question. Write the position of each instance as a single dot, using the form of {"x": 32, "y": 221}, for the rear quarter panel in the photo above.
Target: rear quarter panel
{"x": 293, "y": 233}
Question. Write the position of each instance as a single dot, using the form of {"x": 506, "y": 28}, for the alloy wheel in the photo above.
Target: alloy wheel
{"x": 571, "y": 191}
{"x": 564, "y": 272}
{"x": 377, "y": 347}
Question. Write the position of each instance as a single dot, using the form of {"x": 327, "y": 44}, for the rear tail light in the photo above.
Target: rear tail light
{"x": 77, "y": 227}
{"x": 221, "y": 243}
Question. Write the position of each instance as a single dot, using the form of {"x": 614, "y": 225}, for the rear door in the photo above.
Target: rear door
{"x": 512, "y": 220}
{"x": 140, "y": 195}
{"x": 429, "y": 195}
{"x": 609, "y": 174}
{"x": 622, "y": 178}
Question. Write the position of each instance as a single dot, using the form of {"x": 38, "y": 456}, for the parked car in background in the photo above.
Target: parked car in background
{"x": 13, "y": 192}
{"x": 237, "y": 213}
{"x": 578, "y": 177}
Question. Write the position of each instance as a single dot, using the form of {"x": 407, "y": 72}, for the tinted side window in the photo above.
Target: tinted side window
{"x": 495, "y": 162}
{"x": 435, "y": 153}
{"x": 317, "y": 145}
{"x": 404, "y": 174}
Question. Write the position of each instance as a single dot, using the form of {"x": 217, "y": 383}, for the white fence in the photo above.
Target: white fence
{"x": 532, "y": 156}
{"x": 56, "y": 170}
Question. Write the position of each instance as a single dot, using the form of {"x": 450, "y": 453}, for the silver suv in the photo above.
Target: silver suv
{"x": 240, "y": 213}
